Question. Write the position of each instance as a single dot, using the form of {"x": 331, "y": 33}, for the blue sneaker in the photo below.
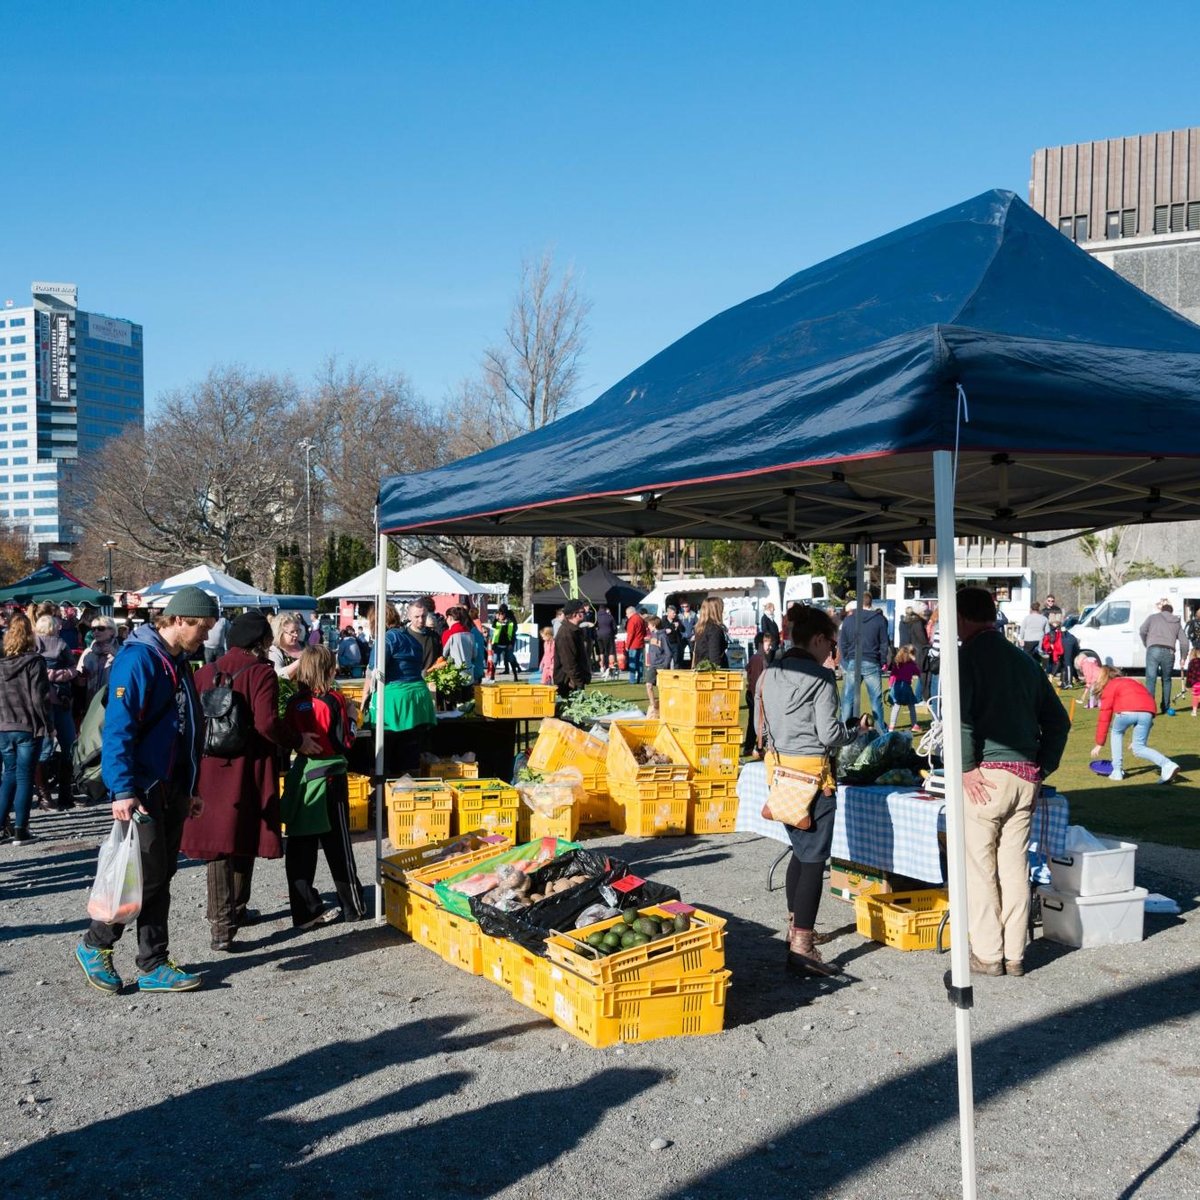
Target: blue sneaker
{"x": 98, "y": 967}
{"x": 168, "y": 978}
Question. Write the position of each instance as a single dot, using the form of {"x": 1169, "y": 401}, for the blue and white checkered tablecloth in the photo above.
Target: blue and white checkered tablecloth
{"x": 889, "y": 829}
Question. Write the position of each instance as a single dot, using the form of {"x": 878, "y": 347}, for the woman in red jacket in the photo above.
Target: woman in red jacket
{"x": 1126, "y": 704}
{"x": 240, "y": 821}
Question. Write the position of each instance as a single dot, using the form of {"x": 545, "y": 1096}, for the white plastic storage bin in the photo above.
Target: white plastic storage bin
{"x": 1086, "y": 921}
{"x": 1095, "y": 872}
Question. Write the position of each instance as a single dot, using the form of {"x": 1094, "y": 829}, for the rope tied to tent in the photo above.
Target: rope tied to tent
{"x": 962, "y": 415}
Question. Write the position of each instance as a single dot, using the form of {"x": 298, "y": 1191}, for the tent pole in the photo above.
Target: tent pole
{"x": 860, "y": 586}
{"x": 959, "y": 976}
{"x": 378, "y": 685}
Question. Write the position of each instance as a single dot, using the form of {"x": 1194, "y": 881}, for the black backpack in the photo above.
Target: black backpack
{"x": 228, "y": 721}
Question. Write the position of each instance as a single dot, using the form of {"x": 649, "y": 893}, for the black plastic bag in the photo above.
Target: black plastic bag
{"x": 529, "y": 927}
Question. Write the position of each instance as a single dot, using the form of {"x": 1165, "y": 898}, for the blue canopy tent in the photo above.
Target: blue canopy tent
{"x": 972, "y": 373}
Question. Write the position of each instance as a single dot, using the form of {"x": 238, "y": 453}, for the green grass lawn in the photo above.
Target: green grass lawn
{"x": 1138, "y": 808}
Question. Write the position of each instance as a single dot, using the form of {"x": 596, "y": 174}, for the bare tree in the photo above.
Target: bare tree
{"x": 366, "y": 424}
{"x": 532, "y": 376}
{"x": 213, "y": 478}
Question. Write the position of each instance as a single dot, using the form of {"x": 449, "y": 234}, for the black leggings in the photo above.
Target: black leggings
{"x": 803, "y": 886}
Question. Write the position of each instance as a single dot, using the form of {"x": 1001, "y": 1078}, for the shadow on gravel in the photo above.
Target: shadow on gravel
{"x": 820, "y": 1155}
{"x": 668, "y": 852}
{"x": 239, "y": 1138}
{"x": 297, "y": 949}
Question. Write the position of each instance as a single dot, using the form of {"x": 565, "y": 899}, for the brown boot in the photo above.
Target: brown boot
{"x": 804, "y": 957}
{"x": 40, "y": 790}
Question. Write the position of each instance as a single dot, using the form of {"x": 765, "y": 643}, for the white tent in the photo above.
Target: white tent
{"x": 227, "y": 591}
{"x": 426, "y": 578}
{"x": 364, "y": 587}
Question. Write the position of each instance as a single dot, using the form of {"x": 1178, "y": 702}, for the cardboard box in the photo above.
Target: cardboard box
{"x": 849, "y": 879}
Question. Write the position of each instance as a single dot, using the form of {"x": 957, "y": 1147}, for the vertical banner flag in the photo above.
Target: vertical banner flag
{"x": 572, "y": 571}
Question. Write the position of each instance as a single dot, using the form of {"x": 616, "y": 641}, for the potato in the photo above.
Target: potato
{"x": 535, "y": 897}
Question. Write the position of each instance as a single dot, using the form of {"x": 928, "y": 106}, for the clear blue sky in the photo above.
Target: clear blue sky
{"x": 273, "y": 182}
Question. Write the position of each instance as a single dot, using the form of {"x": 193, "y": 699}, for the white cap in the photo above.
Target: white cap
{"x": 851, "y": 605}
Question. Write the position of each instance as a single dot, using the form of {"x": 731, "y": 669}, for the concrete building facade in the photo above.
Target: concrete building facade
{"x": 1134, "y": 204}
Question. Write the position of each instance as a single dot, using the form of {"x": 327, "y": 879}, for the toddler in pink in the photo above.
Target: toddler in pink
{"x": 1191, "y": 678}
{"x": 1088, "y": 668}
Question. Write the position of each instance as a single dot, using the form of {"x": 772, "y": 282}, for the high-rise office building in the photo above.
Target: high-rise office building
{"x": 69, "y": 381}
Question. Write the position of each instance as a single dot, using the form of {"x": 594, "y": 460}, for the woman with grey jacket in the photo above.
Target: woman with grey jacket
{"x": 799, "y": 724}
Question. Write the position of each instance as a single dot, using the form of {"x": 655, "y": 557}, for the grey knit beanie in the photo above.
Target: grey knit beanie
{"x": 192, "y": 602}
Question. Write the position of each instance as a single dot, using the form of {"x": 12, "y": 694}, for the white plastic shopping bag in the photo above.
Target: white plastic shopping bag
{"x": 117, "y": 893}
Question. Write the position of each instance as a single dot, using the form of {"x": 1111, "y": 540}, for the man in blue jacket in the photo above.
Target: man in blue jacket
{"x": 868, "y": 626}
{"x": 153, "y": 737}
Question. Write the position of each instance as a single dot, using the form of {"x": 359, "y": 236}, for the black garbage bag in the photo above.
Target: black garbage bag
{"x": 529, "y": 927}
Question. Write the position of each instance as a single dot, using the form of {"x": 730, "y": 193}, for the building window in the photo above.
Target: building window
{"x": 18, "y": 340}
{"x": 16, "y": 321}
{"x": 1081, "y": 229}
{"x": 1112, "y": 225}
{"x": 1177, "y": 218}
{"x": 1193, "y": 214}
{"x": 1161, "y": 218}
{"x": 1066, "y": 226}
{"x": 20, "y": 392}
{"x": 23, "y": 374}
{"x": 17, "y": 357}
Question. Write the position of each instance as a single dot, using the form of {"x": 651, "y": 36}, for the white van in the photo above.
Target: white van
{"x": 743, "y": 596}
{"x": 1111, "y": 629}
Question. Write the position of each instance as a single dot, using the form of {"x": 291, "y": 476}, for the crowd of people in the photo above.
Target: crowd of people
{"x": 222, "y": 803}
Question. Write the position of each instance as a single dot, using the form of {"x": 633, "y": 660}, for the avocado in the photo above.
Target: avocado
{"x": 629, "y": 916}
{"x": 629, "y": 939}
{"x": 682, "y": 923}
{"x": 612, "y": 940}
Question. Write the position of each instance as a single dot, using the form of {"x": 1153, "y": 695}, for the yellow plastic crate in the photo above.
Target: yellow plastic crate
{"x": 593, "y": 809}
{"x": 714, "y": 806}
{"x": 352, "y": 689}
{"x": 624, "y": 738}
{"x": 493, "y": 961}
{"x": 700, "y": 697}
{"x": 698, "y": 951}
{"x": 515, "y": 700}
{"x": 448, "y": 768}
{"x": 396, "y": 904}
{"x": 560, "y": 744}
{"x": 359, "y": 788}
{"x": 424, "y": 922}
{"x": 460, "y": 943}
{"x": 665, "y": 814}
{"x": 490, "y": 804}
{"x": 604, "y": 1014}
{"x": 417, "y": 816}
{"x": 529, "y": 977}
{"x": 421, "y": 879}
{"x": 712, "y": 751}
{"x": 563, "y": 824}
{"x": 903, "y": 920}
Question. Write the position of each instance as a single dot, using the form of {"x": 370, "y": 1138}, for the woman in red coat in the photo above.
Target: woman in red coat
{"x": 1127, "y": 704}
{"x": 240, "y": 821}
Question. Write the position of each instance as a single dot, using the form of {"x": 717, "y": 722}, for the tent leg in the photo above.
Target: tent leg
{"x": 380, "y": 791}
{"x": 860, "y": 586}
{"x": 959, "y": 981}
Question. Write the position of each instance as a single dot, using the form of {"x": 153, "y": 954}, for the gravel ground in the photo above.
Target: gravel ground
{"x": 350, "y": 1062}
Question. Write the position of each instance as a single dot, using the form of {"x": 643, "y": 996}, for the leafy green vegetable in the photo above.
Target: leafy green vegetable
{"x": 589, "y": 704}
{"x": 287, "y": 689}
{"x": 527, "y": 775}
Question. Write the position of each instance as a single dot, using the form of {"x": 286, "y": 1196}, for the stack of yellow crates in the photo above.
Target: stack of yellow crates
{"x": 559, "y": 745}
{"x": 701, "y": 709}
{"x": 647, "y": 799}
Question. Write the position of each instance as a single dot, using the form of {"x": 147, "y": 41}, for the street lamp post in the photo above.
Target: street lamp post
{"x": 308, "y": 446}
{"x": 109, "y": 547}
